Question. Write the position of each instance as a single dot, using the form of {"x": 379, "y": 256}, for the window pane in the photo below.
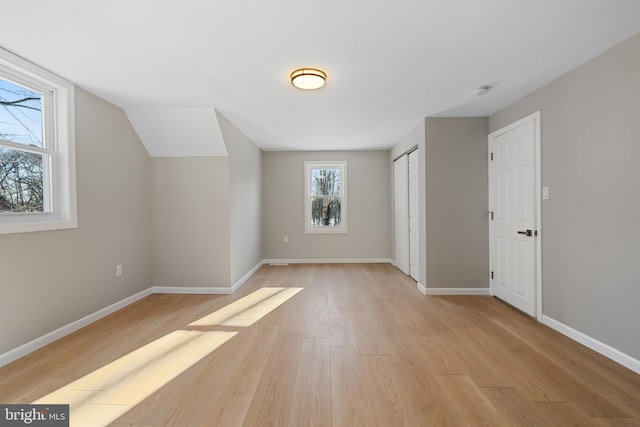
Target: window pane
{"x": 21, "y": 181}
{"x": 325, "y": 211}
{"x": 325, "y": 182}
{"x": 20, "y": 114}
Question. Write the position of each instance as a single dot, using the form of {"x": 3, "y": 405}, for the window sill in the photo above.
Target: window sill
{"x": 326, "y": 230}
{"x": 11, "y": 223}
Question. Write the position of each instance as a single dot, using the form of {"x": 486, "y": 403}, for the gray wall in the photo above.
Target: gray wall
{"x": 207, "y": 220}
{"x": 369, "y": 198}
{"x": 454, "y": 231}
{"x": 52, "y": 278}
{"x": 457, "y": 230}
{"x": 590, "y": 233}
{"x": 190, "y": 221}
{"x": 245, "y": 200}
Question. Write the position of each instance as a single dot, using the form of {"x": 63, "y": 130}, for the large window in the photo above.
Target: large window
{"x": 37, "y": 169}
{"x": 325, "y": 197}
{"x": 24, "y": 161}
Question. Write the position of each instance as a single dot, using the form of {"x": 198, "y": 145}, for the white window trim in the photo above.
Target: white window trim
{"x": 342, "y": 228}
{"x": 61, "y": 140}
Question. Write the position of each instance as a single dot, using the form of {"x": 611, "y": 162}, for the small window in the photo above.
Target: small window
{"x": 37, "y": 169}
{"x": 325, "y": 197}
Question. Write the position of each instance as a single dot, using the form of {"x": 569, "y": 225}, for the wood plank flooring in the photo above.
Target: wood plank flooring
{"x": 358, "y": 346}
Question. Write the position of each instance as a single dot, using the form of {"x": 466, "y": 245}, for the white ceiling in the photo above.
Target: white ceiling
{"x": 390, "y": 62}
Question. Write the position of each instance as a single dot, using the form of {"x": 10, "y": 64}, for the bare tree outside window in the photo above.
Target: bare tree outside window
{"x": 325, "y": 192}
{"x": 37, "y": 148}
{"x": 325, "y": 210}
{"x": 22, "y": 163}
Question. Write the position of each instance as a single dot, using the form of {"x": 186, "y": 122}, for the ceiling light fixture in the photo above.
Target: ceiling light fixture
{"x": 308, "y": 78}
{"x": 482, "y": 90}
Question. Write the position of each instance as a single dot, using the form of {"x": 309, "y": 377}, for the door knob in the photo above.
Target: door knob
{"x": 526, "y": 232}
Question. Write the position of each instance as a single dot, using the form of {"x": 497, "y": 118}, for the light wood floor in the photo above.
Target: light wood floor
{"x": 358, "y": 346}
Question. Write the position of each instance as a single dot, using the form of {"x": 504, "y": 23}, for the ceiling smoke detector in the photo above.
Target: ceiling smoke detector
{"x": 482, "y": 90}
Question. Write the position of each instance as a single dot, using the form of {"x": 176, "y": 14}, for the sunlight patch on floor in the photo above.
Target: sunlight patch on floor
{"x": 102, "y": 396}
{"x": 249, "y": 309}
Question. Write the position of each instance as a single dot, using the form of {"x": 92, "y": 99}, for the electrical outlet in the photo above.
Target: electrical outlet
{"x": 119, "y": 270}
{"x": 545, "y": 193}
{"x": 286, "y": 239}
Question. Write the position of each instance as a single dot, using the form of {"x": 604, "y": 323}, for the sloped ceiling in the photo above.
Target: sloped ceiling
{"x": 178, "y": 132}
{"x": 390, "y": 62}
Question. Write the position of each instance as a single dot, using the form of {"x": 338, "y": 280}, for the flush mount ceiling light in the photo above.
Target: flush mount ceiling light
{"x": 308, "y": 78}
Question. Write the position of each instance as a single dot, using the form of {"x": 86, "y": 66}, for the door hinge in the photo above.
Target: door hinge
{"x": 491, "y": 156}
{"x": 492, "y": 275}
{"x": 535, "y": 232}
{"x": 491, "y": 213}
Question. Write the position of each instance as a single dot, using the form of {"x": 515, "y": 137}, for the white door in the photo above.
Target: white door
{"x": 414, "y": 234}
{"x": 513, "y": 211}
{"x": 401, "y": 190}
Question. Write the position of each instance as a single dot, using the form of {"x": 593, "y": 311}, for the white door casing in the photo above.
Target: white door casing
{"x": 514, "y": 214}
{"x": 401, "y": 219}
{"x": 414, "y": 220}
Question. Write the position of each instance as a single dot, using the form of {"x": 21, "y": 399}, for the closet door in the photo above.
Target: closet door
{"x": 414, "y": 232}
{"x": 401, "y": 220}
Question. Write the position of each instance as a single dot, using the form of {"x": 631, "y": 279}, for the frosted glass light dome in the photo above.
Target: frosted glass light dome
{"x": 308, "y": 78}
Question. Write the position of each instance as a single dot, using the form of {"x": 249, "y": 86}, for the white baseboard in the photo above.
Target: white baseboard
{"x": 422, "y": 288}
{"x": 40, "y": 342}
{"x": 195, "y": 290}
{"x": 456, "y": 291}
{"x": 331, "y": 261}
{"x": 207, "y": 290}
{"x": 595, "y": 345}
{"x": 246, "y": 277}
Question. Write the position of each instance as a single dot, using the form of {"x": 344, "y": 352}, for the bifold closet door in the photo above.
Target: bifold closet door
{"x": 401, "y": 219}
{"x": 414, "y": 221}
